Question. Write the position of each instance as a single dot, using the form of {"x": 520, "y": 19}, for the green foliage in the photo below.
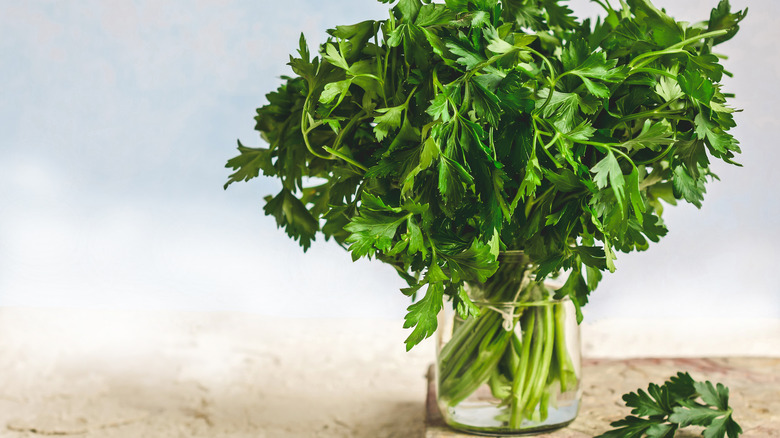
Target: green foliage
{"x": 451, "y": 131}
{"x": 675, "y": 405}
{"x": 422, "y": 315}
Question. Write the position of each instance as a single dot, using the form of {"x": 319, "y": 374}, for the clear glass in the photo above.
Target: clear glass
{"x": 515, "y": 368}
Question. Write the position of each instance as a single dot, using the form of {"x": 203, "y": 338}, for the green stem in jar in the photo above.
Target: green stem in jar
{"x": 518, "y": 385}
{"x": 524, "y": 367}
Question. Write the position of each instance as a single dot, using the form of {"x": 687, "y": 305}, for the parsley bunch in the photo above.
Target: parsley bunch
{"x": 448, "y": 132}
{"x": 674, "y": 405}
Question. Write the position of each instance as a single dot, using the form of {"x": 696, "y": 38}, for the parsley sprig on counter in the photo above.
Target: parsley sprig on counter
{"x": 448, "y": 132}
{"x": 675, "y": 405}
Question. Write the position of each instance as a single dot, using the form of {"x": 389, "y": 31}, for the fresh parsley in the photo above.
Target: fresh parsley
{"x": 678, "y": 403}
{"x": 449, "y": 132}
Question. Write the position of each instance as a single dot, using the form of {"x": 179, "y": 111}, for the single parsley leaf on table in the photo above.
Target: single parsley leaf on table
{"x": 678, "y": 403}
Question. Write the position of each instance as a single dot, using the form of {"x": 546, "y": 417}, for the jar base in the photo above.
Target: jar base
{"x": 481, "y": 420}
{"x": 495, "y": 432}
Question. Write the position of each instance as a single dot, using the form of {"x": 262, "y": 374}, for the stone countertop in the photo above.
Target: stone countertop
{"x": 129, "y": 374}
{"x": 754, "y": 385}
{"x": 163, "y": 374}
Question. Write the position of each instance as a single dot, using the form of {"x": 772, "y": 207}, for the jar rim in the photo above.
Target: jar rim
{"x": 535, "y": 303}
{"x": 512, "y": 255}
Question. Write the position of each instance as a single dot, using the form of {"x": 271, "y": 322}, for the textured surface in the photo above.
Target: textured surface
{"x": 130, "y": 374}
{"x": 754, "y": 385}
{"x": 106, "y": 374}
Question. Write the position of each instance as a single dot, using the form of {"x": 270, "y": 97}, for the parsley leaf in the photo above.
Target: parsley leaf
{"x": 675, "y": 405}
{"x": 609, "y": 173}
{"x": 669, "y": 89}
{"x": 696, "y": 85}
{"x": 292, "y": 215}
{"x": 562, "y": 108}
{"x": 596, "y": 66}
{"x": 467, "y": 56}
{"x": 375, "y": 227}
{"x": 474, "y": 264}
{"x": 687, "y": 186}
{"x": 422, "y": 315}
{"x": 722, "y": 18}
{"x": 652, "y": 136}
{"x": 249, "y": 164}
{"x": 389, "y": 120}
{"x": 720, "y": 143}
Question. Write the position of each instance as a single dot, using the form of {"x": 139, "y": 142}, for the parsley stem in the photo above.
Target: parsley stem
{"x": 305, "y": 130}
{"x": 546, "y": 149}
{"x": 338, "y": 154}
{"x": 607, "y": 7}
{"x": 602, "y": 147}
{"x": 623, "y": 154}
{"x": 481, "y": 65}
{"x": 519, "y": 383}
{"x": 653, "y": 71}
{"x": 711, "y": 34}
{"x": 654, "y": 114}
{"x": 524, "y": 365}
{"x": 566, "y": 372}
{"x": 676, "y": 48}
{"x": 380, "y": 71}
{"x": 530, "y": 205}
{"x": 545, "y": 133}
{"x": 658, "y": 157}
{"x": 536, "y": 120}
{"x": 658, "y": 111}
{"x": 357, "y": 118}
{"x": 333, "y": 152}
{"x": 550, "y": 80}
{"x": 544, "y": 350}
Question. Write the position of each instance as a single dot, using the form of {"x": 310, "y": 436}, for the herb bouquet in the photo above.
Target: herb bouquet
{"x": 482, "y": 146}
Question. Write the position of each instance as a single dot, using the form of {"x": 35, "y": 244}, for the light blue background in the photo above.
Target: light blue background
{"x": 116, "y": 119}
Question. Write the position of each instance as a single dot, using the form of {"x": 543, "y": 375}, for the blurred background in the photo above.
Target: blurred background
{"x": 118, "y": 117}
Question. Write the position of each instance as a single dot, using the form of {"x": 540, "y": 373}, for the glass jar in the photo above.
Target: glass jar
{"x": 515, "y": 368}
